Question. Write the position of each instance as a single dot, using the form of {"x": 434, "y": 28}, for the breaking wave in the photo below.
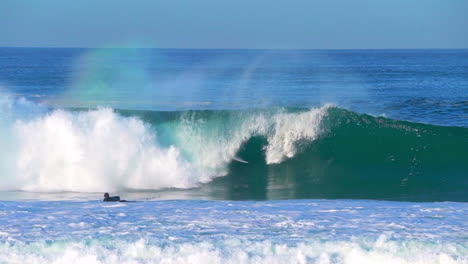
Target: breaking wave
{"x": 324, "y": 152}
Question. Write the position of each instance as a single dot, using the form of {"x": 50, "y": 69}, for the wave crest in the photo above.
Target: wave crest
{"x": 101, "y": 149}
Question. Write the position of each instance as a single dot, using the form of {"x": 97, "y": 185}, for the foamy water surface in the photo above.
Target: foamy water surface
{"x": 299, "y": 231}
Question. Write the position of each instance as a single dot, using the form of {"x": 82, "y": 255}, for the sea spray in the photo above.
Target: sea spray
{"x": 288, "y": 129}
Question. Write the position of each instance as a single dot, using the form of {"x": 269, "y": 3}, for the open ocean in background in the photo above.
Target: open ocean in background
{"x": 354, "y": 156}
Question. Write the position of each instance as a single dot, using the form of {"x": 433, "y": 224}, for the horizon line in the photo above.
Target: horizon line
{"x": 227, "y": 48}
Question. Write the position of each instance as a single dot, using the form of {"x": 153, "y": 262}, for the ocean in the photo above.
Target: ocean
{"x": 233, "y": 156}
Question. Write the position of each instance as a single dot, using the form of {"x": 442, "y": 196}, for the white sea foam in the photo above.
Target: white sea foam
{"x": 84, "y": 151}
{"x": 96, "y": 150}
{"x": 233, "y": 251}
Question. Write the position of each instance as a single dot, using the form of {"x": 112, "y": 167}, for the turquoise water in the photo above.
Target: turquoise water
{"x": 354, "y": 156}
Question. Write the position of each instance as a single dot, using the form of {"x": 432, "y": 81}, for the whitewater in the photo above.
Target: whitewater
{"x": 296, "y": 231}
{"x": 353, "y": 156}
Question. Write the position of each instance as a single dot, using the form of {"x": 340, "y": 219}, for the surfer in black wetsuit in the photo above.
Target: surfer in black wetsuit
{"x": 108, "y": 198}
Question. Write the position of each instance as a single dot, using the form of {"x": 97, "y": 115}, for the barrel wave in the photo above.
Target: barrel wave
{"x": 324, "y": 152}
{"x": 359, "y": 156}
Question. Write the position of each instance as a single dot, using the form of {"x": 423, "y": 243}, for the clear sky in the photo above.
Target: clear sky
{"x": 315, "y": 24}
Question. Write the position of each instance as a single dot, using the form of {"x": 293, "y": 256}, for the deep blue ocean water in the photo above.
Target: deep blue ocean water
{"x": 353, "y": 156}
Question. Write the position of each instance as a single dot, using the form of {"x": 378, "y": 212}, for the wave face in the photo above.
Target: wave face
{"x": 360, "y": 156}
{"x": 325, "y": 152}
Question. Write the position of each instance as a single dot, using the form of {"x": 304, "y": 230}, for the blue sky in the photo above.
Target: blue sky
{"x": 310, "y": 24}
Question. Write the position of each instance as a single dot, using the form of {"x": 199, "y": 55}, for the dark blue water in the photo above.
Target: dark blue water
{"x": 428, "y": 86}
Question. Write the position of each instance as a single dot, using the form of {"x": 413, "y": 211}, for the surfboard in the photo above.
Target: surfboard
{"x": 239, "y": 160}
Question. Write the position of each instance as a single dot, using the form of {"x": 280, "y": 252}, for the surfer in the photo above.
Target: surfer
{"x": 108, "y": 198}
